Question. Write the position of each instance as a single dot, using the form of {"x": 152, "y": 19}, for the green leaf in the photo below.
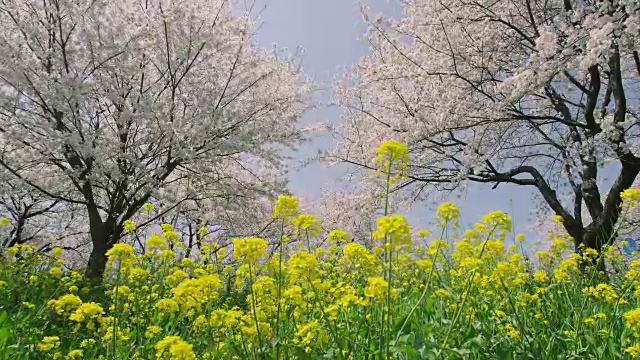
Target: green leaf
{"x": 398, "y": 324}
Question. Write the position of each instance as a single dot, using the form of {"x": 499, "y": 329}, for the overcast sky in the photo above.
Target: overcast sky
{"x": 328, "y": 31}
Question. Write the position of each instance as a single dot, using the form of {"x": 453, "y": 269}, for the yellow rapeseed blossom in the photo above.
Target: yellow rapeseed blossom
{"x": 603, "y": 292}
{"x": 634, "y": 265}
{"x": 74, "y": 354}
{"x": 499, "y": 220}
{"x": 633, "y": 351}
{"x": 86, "y": 343}
{"x": 176, "y": 276}
{"x": 442, "y": 293}
{"x": 20, "y": 249}
{"x": 499, "y": 314}
{"x": 394, "y": 229}
{"x": 355, "y": 250}
{"x": 630, "y": 196}
{"x": 28, "y": 305}
{"x": 376, "y": 288}
{"x": 226, "y": 319}
{"x": 308, "y": 223}
{"x": 152, "y": 331}
{"x": 511, "y": 332}
{"x": 55, "y": 271}
{"x": 122, "y": 334}
{"x": 249, "y": 249}
{"x": 338, "y": 237}
{"x": 48, "y": 343}
{"x": 156, "y": 242}
{"x": 294, "y": 295}
{"x": 245, "y": 303}
{"x": 168, "y": 306}
{"x": 65, "y": 304}
{"x": 148, "y": 207}
{"x": 174, "y": 348}
{"x": 201, "y": 324}
{"x": 310, "y": 335}
{"x": 359, "y": 257}
{"x": 591, "y": 320}
{"x": 559, "y": 245}
{"x": 448, "y": 211}
{"x": 129, "y": 226}
{"x": 89, "y": 313}
{"x": 493, "y": 248}
{"x": 56, "y": 252}
{"x": 543, "y": 256}
{"x": 121, "y": 251}
{"x": 173, "y": 238}
{"x": 302, "y": 266}
{"x": 392, "y": 151}
{"x": 540, "y": 276}
{"x": 286, "y": 207}
{"x": 590, "y": 254}
{"x": 138, "y": 274}
{"x": 193, "y": 293}
{"x": 632, "y": 319}
{"x": 437, "y": 246}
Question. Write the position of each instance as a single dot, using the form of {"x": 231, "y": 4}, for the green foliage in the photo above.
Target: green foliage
{"x": 469, "y": 297}
{"x": 469, "y": 294}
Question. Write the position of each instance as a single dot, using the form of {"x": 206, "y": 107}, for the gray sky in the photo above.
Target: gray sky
{"x": 328, "y": 31}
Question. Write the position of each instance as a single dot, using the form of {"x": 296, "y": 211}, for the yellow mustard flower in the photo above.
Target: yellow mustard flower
{"x": 88, "y": 313}
{"x": 65, "y": 304}
{"x": 540, "y": 276}
{"x": 249, "y": 249}
{"x": 392, "y": 151}
{"x": 152, "y": 330}
{"x": 632, "y": 319}
{"x": 48, "y": 343}
{"x": 74, "y": 354}
{"x": 174, "y": 348}
{"x": 448, "y": 211}
{"x": 129, "y": 226}
{"x": 394, "y": 229}
{"x": 338, "y": 237}
{"x": 120, "y": 250}
{"x": 148, "y": 207}
{"x": 376, "y": 288}
{"x": 630, "y": 196}
{"x": 286, "y": 207}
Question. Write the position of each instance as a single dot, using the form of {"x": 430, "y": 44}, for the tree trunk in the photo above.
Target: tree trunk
{"x": 103, "y": 236}
{"x": 588, "y": 239}
{"x": 595, "y": 237}
{"x": 102, "y": 242}
{"x": 97, "y": 260}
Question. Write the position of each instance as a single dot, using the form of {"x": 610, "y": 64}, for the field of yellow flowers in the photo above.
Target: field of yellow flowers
{"x": 446, "y": 294}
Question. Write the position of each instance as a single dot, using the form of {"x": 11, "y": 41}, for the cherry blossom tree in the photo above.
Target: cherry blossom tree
{"x": 348, "y": 210}
{"x": 542, "y": 94}
{"x": 34, "y": 218}
{"x": 220, "y": 220}
{"x": 109, "y": 104}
